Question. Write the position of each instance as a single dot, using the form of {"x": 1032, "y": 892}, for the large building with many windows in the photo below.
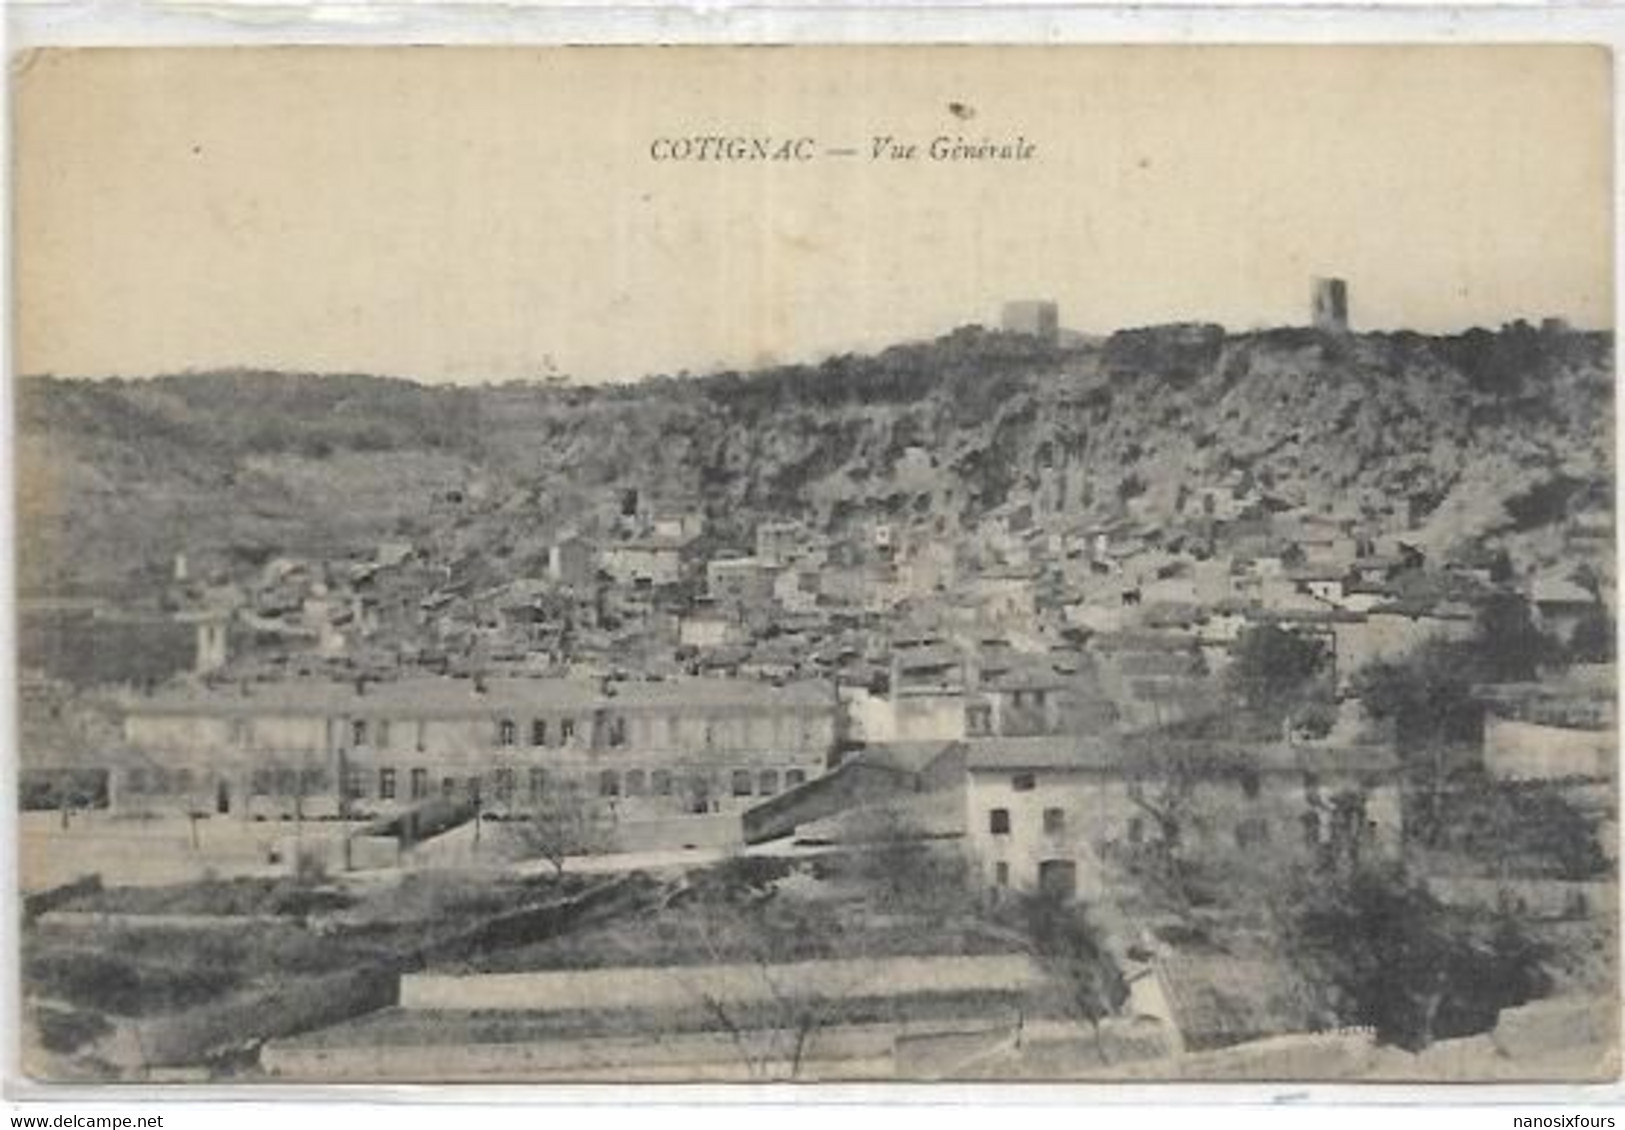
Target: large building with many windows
{"x": 1048, "y": 813}
{"x": 312, "y": 749}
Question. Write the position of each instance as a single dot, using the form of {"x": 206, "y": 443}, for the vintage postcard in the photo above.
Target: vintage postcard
{"x": 743, "y": 564}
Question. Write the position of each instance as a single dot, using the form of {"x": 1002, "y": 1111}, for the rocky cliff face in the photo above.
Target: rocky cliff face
{"x": 1506, "y": 436}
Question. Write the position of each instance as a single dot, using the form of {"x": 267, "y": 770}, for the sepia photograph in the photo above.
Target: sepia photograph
{"x": 818, "y": 565}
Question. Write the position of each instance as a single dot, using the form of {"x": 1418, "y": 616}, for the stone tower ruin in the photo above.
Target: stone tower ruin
{"x": 1331, "y": 305}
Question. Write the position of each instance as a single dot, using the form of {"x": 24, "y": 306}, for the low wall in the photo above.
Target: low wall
{"x": 1517, "y": 750}
{"x": 705, "y": 1055}
{"x": 161, "y": 851}
{"x": 1542, "y": 898}
{"x": 297, "y": 1005}
{"x": 1553, "y": 1026}
{"x": 721, "y": 830}
{"x": 97, "y": 919}
{"x": 686, "y": 986}
{"x": 42, "y": 903}
{"x": 1047, "y": 1050}
{"x": 938, "y": 1055}
{"x": 366, "y": 853}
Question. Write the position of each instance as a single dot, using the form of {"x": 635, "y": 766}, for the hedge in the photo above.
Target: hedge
{"x": 295, "y": 1005}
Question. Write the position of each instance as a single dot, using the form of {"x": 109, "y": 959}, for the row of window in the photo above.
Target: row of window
{"x": 1251, "y": 831}
{"x": 159, "y": 781}
{"x": 504, "y": 783}
{"x": 1246, "y": 779}
{"x": 998, "y": 821}
{"x": 541, "y": 733}
{"x": 364, "y": 732}
{"x": 508, "y": 732}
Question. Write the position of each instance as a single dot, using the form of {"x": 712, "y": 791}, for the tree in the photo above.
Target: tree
{"x": 761, "y": 979}
{"x": 1520, "y": 828}
{"x": 902, "y": 868}
{"x": 1163, "y": 786}
{"x": 1392, "y": 957}
{"x": 1274, "y": 673}
{"x": 563, "y": 822}
{"x": 1593, "y": 638}
{"x": 1428, "y": 698}
{"x": 1071, "y": 949}
{"x": 1509, "y": 648}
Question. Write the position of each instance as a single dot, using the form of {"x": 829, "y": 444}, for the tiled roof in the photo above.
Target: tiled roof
{"x": 429, "y": 697}
{"x": 1121, "y": 751}
{"x": 1065, "y": 752}
{"x": 911, "y": 757}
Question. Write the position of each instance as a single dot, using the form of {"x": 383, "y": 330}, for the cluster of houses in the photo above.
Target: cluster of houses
{"x": 658, "y": 676}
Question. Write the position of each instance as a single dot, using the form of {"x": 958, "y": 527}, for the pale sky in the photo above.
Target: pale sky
{"x": 464, "y": 214}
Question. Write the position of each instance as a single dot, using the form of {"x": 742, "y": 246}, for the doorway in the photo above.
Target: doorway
{"x": 1058, "y": 878}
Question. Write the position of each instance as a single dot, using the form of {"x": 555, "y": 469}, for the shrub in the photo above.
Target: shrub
{"x": 64, "y": 1031}
{"x": 1397, "y": 960}
{"x": 124, "y": 987}
{"x": 293, "y": 1006}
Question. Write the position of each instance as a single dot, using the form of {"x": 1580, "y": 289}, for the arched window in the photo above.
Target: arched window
{"x": 506, "y": 732}
{"x": 634, "y": 782}
{"x": 609, "y": 783}
{"x": 767, "y": 782}
{"x": 660, "y": 783}
{"x": 358, "y": 732}
{"x": 741, "y": 782}
{"x": 794, "y": 777}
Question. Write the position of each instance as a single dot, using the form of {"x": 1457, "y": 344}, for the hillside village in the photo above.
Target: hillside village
{"x": 511, "y": 701}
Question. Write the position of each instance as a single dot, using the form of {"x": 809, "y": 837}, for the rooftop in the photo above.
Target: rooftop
{"x": 1120, "y": 751}
{"x": 452, "y": 697}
